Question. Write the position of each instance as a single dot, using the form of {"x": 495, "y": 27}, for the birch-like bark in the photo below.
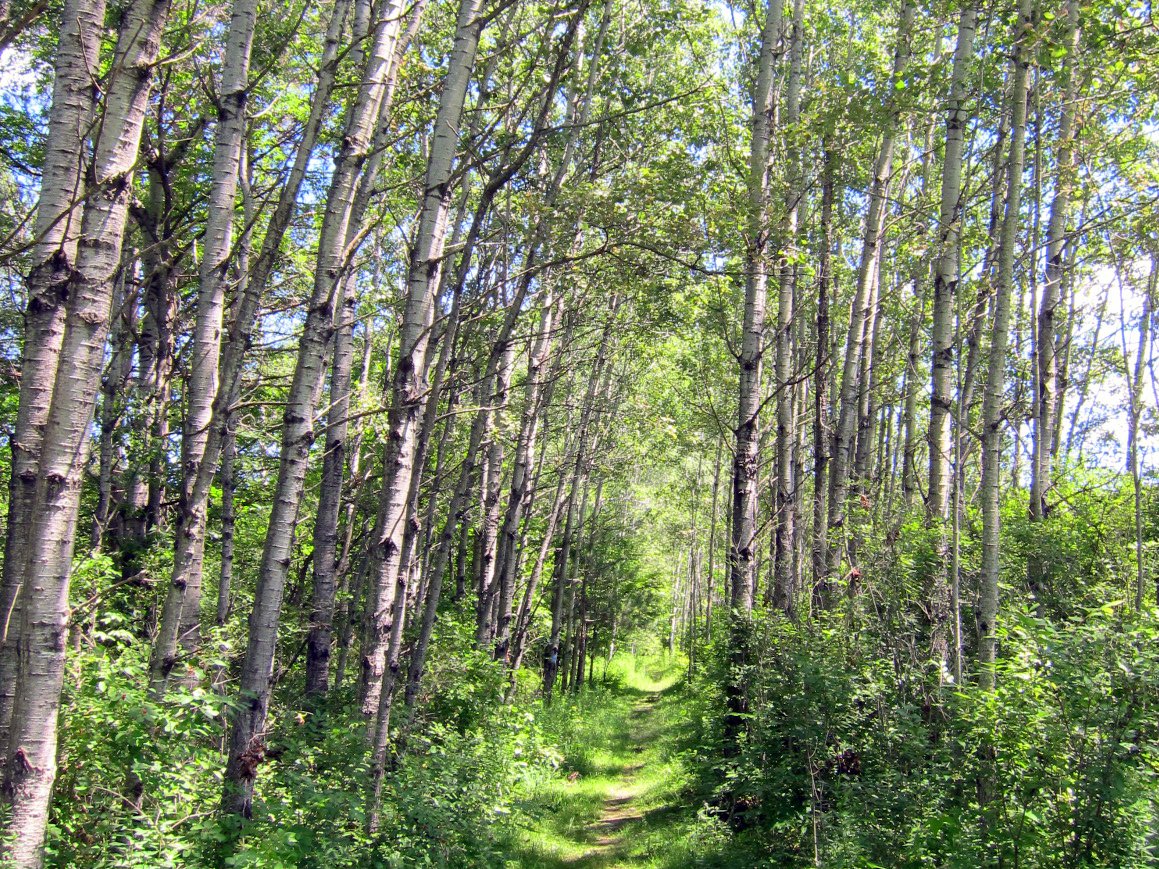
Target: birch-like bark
{"x": 523, "y": 617}
{"x": 116, "y": 378}
{"x": 180, "y": 614}
{"x": 847, "y": 414}
{"x": 995, "y": 393}
{"x": 325, "y": 564}
{"x": 408, "y": 383}
{"x": 52, "y": 261}
{"x": 946, "y": 273}
{"x": 582, "y": 465}
{"x": 710, "y": 575}
{"x": 823, "y": 363}
{"x": 30, "y": 759}
{"x": 156, "y": 345}
{"x": 1046, "y": 336}
{"x": 487, "y": 534}
{"x": 406, "y": 399}
{"x": 246, "y": 742}
{"x": 409, "y": 376}
{"x": 228, "y": 480}
{"x": 909, "y": 421}
{"x": 785, "y": 505}
{"x": 189, "y": 538}
{"x": 521, "y": 477}
{"x": 742, "y": 554}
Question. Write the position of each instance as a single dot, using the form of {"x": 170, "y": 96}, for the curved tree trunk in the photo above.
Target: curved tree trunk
{"x": 30, "y": 760}
{"x": 53, "y": 259}
{"x": 246, "y": 741}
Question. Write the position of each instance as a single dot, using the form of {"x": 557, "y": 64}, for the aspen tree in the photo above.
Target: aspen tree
{"x": 946, "y": 271}
{"x": 246, "y": 741}
{"x": 741, "y": 558}
{"x": 844, "y": 433}
{"x": 57, "y": 229}
{"x": 785, "y": 506}
{"x": 189, "y": 535}
{"x": 995, "y": 394}
{"x": 180, "y": 617}
{"x": 30, "y": 760}
{"x": 1047, "y": 399}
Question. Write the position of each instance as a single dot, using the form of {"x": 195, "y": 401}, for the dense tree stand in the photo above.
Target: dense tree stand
{"x": 482, "y": 433}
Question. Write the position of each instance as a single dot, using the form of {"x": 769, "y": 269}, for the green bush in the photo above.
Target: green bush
{"x": 864, "y": 762}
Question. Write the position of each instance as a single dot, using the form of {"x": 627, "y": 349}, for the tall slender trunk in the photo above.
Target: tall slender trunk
{"x": 487, "y": 534}
{"x": 30, "y": 760}
{"x": 246, "y": 742}
{"x": 995, "y": 394}
{"x": 228, "y": 473}
{"x": 523, "y": 617}
{"x": 189, "y": 537}
{"x": 746, "y": 459}
{"x": 847, "y": 414}
{"x": 823, "y": 364}
{"x": 785, "y": 504}
{"x": 520, "y": 490}
{"x": 180, "y": 615}
{"x": 1046, "y": 338}
{"x": 410, "y": 372}
{"x": 1135, "y": 386}
{"x": 456, "y": 518}
{"x": 325, "y": 562}
{"x": 584, "y": 444}
{"x": 116, "y": 378}
{"x": 710, "y": 576}
{"x": 946, "y": 272}
{"x": 53, "y": 258}
{"x": 227, "y": 476}
{"x": 497, "y": 372}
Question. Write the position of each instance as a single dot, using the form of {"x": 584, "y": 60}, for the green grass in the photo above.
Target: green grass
{"x": 620, "y": 798}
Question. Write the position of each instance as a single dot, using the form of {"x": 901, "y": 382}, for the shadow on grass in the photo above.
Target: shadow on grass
{"x": 624, "y": 796}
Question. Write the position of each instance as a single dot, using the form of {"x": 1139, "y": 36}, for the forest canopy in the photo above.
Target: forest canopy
{"x": 413, "y": 412}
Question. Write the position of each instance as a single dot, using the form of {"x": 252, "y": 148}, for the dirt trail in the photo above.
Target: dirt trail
{"x": 620, "y": 809}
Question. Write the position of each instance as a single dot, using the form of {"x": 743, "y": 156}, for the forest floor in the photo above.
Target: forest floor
{"x": 620, "y": 800}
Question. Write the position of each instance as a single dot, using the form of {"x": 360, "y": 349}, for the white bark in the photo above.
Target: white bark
{"x": 946, "y": 272}
{"x": 741, "y": 557}
{"x": 1047, "y": 337}
{"x": 30, "y": 767}
{"x": 785, "y": 505}
{"x": 53, "y": 259}
{"x": 847, "y": 414}
{"x": 994, "y": 398}
{"x": 179, "y": 623}
{"x": 246, "y": 742}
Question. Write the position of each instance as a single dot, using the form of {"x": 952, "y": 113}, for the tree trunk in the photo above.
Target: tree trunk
{"x": 247, "y": 743}
{"x": 180, "y": 616}
{"x": 521, "y": 477}
{"x": 410, "y": 372}
{"x": 946, "y": 273}
{"x": 821, "y": 434}
{"x": 785, "y": 504}
{"x": 330, "y": 499}
{"x": 30, "y": 766}
{"x": 994, "y": 398}
{"x": 52, "y": 261}
{"x": 746, "y": 459}
{"x": 1135, "y": 385}
{"x": 1046, "y": 339}
{"x": 847, "y": 415}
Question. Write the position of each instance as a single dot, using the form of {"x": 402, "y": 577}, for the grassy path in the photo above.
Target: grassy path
{"x": 619, "y": 802}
